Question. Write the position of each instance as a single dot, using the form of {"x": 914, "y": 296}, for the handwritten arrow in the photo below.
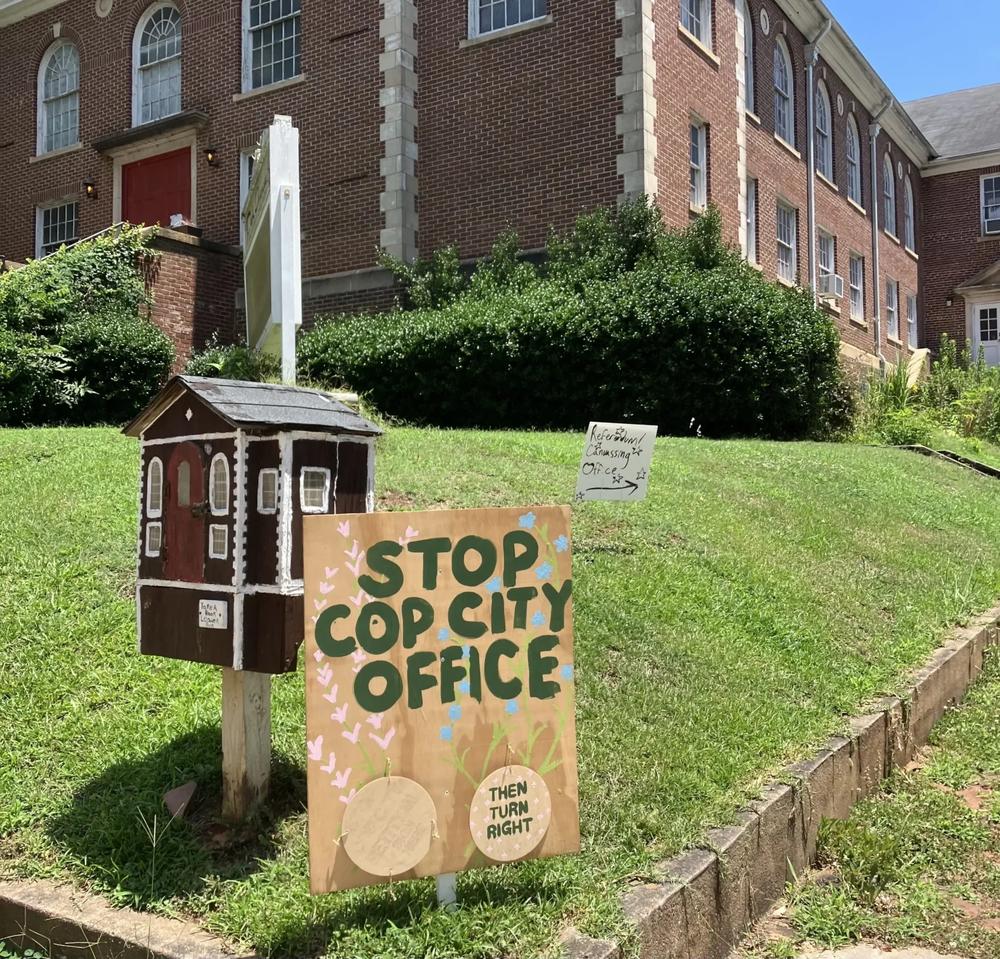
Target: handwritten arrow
{"x": 614, "y": 489}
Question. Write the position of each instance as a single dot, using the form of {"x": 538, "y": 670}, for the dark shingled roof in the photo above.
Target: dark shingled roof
{"x": 261, "y": 406}
{"x": 960, "y": 123}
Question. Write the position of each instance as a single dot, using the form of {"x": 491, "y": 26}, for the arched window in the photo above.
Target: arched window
{"x": 889, "y": 195}
{"x": 824, "y": 132}
{"x": 746, "y": 21}
{"x": 59, "y": 98}
{"x": 909, "y": 223}
{"x": 854, "y": 161}
{"x": 784, "y": 94}
{"x": 156, "y": 65}
{"x": 154, "y": 488}
{"x": 218, "y": 485}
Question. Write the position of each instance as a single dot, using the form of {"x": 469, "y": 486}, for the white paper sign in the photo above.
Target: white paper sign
{"x": 616, "y": 461}
{"x": 213, "y": 614}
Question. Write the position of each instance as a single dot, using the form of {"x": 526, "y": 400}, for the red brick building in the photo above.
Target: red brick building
{"x": 474, "y": 116}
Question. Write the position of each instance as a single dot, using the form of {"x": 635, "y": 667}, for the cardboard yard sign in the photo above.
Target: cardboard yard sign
{"x": 439, "y": 692}
{"x": 616, "y": 462}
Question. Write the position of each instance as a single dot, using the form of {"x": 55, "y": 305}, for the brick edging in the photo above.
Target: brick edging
{"x": 713, "y": 895}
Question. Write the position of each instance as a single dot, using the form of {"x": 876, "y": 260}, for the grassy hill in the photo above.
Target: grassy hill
{"x": 724, "y": 626}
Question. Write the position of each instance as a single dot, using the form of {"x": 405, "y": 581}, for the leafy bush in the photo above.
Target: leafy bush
{"x": 908, "y": 427}
{"x": 120, "y": 361}
{"x": 629, "y": 322}
{"x": 237, "y": 362}
{"x": 33, "y": 384}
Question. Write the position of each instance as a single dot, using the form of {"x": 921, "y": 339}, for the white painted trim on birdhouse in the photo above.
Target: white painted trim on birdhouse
{"x": 268, "y": 510}
{"x": 285, "y": 447}
{"x": 196, "y": 587}
{"x": 239, "y": 544}
{"x": 190, "y": 438}
{"x": 325, "y": 507}
{"x": 216, "y": 509}
{"x": 370, "y": 492}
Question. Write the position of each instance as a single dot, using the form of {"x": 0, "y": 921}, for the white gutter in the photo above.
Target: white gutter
{"x": 876, "y": 198}
{"x": 812, "y": 58}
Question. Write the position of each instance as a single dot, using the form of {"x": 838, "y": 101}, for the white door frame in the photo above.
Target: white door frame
{"x": 974, "y": 306}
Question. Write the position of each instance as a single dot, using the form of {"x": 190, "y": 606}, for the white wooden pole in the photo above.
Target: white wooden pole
{"x": 446, "y": 892}
{"x": 246, "y": 741}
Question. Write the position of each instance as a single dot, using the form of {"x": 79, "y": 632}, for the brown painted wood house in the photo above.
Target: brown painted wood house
{"x": 228, "y": 469}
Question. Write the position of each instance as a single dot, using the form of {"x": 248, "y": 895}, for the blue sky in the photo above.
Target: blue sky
{"x": 923, "y": 47}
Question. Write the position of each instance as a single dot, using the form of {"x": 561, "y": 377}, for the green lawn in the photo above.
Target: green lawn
{"x": 979, "y": 450}
{"x": 724, "y": 626}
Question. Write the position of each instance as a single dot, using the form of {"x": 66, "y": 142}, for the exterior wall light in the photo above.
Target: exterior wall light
{"x": 211, "y": 156}
{"x": 90, "y": 189}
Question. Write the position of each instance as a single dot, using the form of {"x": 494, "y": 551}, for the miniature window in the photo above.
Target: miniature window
{"x": 824, "y": 132}
{"x": 59, "y": 98}
{"x": 889, "y": 195}
{"x": 218, "y": 542}
{"x": 486, "y": 16}
{"x": 272, "y": 42}
{"x": 854, "y": 161}
{"x": 315, "y": 490}
{"x": 787, "y": 242}
{"x": 267, "y": 491}
{"x": 57, "y": 226}
{"x": 857, "y": 287}
{"x": 699, "y": 166}
{"x": 154, "y": 488}
{"x": 218, "y": 485}
{"x": 696, "y": 18}
{"x": 154, "y": 539}
{"x": 184, "y": 484}
{"x": 156, "y": 61}
{"x": 784, "y": 94}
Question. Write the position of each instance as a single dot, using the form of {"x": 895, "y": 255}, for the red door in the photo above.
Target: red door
{"x": 156, "y": 188}
{"x": 184, "y": 534}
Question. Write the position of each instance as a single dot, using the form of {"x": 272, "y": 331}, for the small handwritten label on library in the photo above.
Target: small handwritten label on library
{"x": 616, "y": 462}
{"x": 213, "y": 614}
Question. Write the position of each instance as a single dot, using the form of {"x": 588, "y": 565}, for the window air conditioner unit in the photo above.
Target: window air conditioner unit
{"x": 832, "y": 286}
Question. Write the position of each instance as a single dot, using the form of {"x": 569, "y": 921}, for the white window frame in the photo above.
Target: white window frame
{"x": 40, "y": 212}
{"x": 787, "y": 96}
{"x": 474, "y": 31}
{"x": 892, "y": 309}
{"x": 151, "y": 511}
{"x": 213, "y": 553}
{"x": 148, "y": 547}
{"x": 137, "y": 70}
{"x": 220, "y": 459}
{"x": 751, "y": 220}
{"x": 985, "y": 220}
{"x": 826, "y": 242}
{"x": 247, "y": 157}
{"x": 855, "y": 182}
{"x": 793, "y": 246}
{"x": 749, "y": 55}
{"x": 248, "y": 32}
{"x": 325, "y": 508}
{"x": 268, "y": 510}
{"x": 982, "y": 316}
{"x": 858, "y": 288}
{"x": 42, "y": 119}
{"x": 824, "y": 134}
{"x": 909, "y": 217}
{"x": 698, "y": 140}
{"x": 911, "y": 320}
{"x": 696, "y": 19}
{"x": 889, "y": 197}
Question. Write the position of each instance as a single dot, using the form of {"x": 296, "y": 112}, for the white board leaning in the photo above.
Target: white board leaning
{"x": 272, "y": 255}
{"x": 616, "y": 462}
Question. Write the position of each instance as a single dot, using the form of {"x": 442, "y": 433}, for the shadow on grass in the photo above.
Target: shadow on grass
{"x": 110, "y": 825}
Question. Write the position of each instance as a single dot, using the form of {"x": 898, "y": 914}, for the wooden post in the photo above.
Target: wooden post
{"x": 246, "y": 741}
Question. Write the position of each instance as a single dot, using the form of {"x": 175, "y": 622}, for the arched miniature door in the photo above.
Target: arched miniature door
{"x": 184, "y": 513}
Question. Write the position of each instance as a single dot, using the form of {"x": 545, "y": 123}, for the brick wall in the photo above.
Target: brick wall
{"x": 959, "y": 251}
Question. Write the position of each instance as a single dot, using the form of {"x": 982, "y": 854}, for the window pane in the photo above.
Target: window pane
{"x": 59, "y": 227}
{"x": 219, "y": 485}
{"x": 274, "y": 41}
{"x": 314, "y": 490}
{"x": 497, "y": 14}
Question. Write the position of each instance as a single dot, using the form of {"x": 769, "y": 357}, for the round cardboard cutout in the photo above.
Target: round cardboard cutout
{"x": 510, "y": 813}
{"x": 388, "y": 826}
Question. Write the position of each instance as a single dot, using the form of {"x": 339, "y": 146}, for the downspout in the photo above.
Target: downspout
{"x": 812, "y": 59}
{"x": 873, "y": 133}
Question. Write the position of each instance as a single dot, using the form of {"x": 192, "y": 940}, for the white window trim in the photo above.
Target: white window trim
{"x": 782, "y": 47}
{"x": 245, "y": 157}
{"x": 753, "y": 190}
{"x": 783, "y": 205}
{"x": 852, "y": 259}
{"x": 749, "y": 58}
{"x": 824, "y": 162}
{"x": 892, "y": 309}
{"x": 704, "y": 36}
{"x": 150, "y": 512}
{"x": 854, "y": 134}
{"x": 889, "y": 195}
{"x": 475, "y": 32}
{"x": 822, "y": 235}
{"x": 982, "y": 204}
{"x": 212, "y": 552}
{"x": 260, "y": 491}
{"x": 700, "y": 200}
{"x": 247, "y": 66}
{"x": 325, "y": 508}
{"x": 40, "y": 112}
{"x": 911, "y": 320}
{"x": 40, "y": 222}
{"x": 215, "y": 508}
{"x": 909, "y": 216}
{"x": 148, "y": 551}
{"x": 137, "y": 120}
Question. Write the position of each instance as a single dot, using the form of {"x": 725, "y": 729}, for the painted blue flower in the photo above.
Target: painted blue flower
{"x": 511, "y": 706}
{"x": 538, "y": 619}
{"x": 466, "y": 651}
{"x": 463, "y": 687}
{"x": 527, "y": 521}
{"x": 455, "y": 713}
{"x": 544, "y": 571}
{"x": 446, "y": 733}
{"x": 443, "y": 634}
{"x": 494, "y": 585}
{"x": 561, "y": 544}
{"x": 567, "y": 671}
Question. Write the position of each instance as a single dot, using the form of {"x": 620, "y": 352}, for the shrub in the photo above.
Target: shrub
{"x": 236, "y": 362}
{"x": 33, "y": 380}
{"x": 907, "y": 427}
{"x": 121, "y": 361}
{"x": 630, "y": 323}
